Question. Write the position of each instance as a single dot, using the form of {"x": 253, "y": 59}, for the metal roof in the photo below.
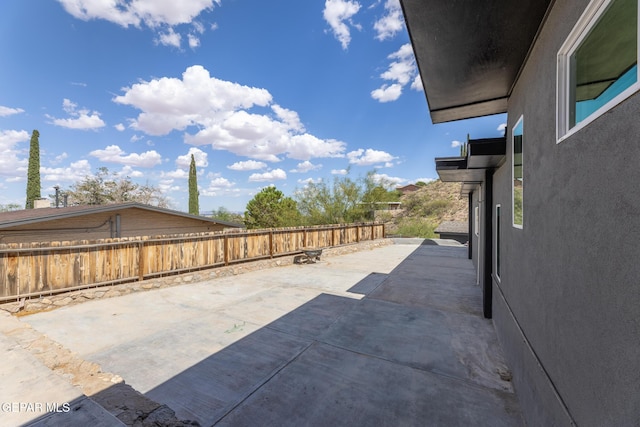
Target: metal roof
{"x": 470, "y": 52}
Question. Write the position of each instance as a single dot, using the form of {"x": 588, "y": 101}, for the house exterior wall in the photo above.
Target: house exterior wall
{"x": 133, "y": 222}
{"x": 567, "y": 305}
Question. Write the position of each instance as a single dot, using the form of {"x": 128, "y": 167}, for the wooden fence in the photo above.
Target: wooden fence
{"x": 36, "y": 269}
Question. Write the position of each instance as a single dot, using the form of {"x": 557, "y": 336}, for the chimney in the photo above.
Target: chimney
{"x": 41, "y": 203}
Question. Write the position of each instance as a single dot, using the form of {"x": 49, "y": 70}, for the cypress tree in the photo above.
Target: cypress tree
{"x": 194, "y": 206}
{"x": 33, "y": 174}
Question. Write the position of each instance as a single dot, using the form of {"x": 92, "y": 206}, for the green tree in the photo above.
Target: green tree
{"x": 344, "y": 201}
{"x": 194, "y": 205}
{"x": 33, "y": 173}
{"x": 270, "y": 208}
{"x": 377, "y": 193}
{"x": 321, "y": 203}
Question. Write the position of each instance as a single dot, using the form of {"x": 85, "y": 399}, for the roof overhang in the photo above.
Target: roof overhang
{"x": 482, "y": 154}
{"x": 470, "y": 52}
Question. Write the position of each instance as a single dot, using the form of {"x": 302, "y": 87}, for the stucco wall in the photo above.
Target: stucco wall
{"x": 571, "y": 276}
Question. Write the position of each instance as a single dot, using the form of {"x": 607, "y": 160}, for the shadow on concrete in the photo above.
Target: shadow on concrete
{"x": 414, "y": 351}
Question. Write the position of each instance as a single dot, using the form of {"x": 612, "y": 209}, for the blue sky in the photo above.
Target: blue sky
{"x": 261, "y": 92}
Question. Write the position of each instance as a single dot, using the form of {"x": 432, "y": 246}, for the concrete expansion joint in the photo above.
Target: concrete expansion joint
{"x": 267, "y": 378}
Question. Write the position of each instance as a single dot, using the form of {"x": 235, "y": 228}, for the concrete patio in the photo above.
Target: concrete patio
{"x": 391, "y": 336}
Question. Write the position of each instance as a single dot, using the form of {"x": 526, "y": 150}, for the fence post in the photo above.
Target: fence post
{"x": 226, "y": 249}
{"x": 357, "y": 233}
{"x": 141, "y": 265}
{"x": 270, "y": 243}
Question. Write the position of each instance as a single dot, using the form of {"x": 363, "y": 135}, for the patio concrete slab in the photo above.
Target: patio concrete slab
{"x": 208, "y": 390}
{"x": 328, "y": 386}
{"x": 374, "y": 337}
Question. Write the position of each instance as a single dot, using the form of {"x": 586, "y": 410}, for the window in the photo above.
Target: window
{"x": 598, "y": 64}
{"x": 497, "y": 271}
{"x": 516, "y": 171}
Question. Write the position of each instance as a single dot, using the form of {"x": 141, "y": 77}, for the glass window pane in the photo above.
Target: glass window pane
{"x": 606, "y": 61}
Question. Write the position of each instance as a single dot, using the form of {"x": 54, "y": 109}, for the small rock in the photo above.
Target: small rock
{"x": 112, "y": 293}
{"x": 505, "y": 374}
{"x": 11, "y": 308}
{"x": 46, "y": 301}
{"x": 63, "y": 302}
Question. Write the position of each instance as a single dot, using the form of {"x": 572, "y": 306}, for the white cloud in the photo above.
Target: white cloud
{"x": 152, "y": 13}
{"x": 305, "y": 166}
{"x": 369, "y": 156}
{"x": 305, "y": 147}
{"x": 308, "y": 181}
{"x": 248, "y": 165}
{"x": 194, "y": 41}
{"x": 386, "y": 179}
{"x": 502, "y": 127}
{"x": 391, "y": 23}
{"x": 10, "y": 161}
{"x": 130, "y": 172}
{"x": 417, "y": 84}
{"x": 455, "y": 144}
{"x": 155, "y": 14}
{"x": 198, "y": 99}
{"x": 6, "y": 111}
{"x": 201, "y": 158}
{"x": 425, "y": 180}
{"x": 338, "y": 14}
{"x": 82, "y": 119}
{"x": 275, "y": 174}
{"x": 59, "y": 159}
{"x": 219, "y": 111}
{"x": 77, "y": 171}
{"x": 119, "y": 127}
{"x": 401, "y": 71}
{"x": 387, "y": 93}
{"x": 290, "y": 118}
{"x": 198, "y": 27}
{"x": 217, "y": 186}
{"x": 176, "y": 174}
{"x": 339, "y": 171}
{"x": 169, "y": 38}
{"x": 115, "y": 154}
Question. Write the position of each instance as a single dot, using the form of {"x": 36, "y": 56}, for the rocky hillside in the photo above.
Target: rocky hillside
{"x": 423, "y": 210}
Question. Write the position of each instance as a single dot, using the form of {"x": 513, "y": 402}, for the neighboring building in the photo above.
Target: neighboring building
{"x": 453, "y": 230}
{"x": 408, "y": 188}
{"x": 554, "y": 206}
{"x": 101, "y": 222}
